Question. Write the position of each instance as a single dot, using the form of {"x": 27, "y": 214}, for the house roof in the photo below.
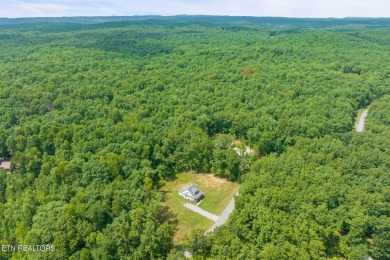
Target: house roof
{"x": 193, "y": 190}
{"x": 5, "y": 165}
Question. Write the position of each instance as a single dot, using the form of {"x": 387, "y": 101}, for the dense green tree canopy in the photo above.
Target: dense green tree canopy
{"x": 94, "y": 116}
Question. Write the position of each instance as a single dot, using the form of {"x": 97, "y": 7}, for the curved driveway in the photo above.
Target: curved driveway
{"x": 224, "y": 216}
{"x": 202, "y": 212}
{"x": 218, "y": 220}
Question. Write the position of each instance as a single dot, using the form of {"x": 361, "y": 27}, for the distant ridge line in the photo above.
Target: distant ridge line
{"x": 185, "y": 18}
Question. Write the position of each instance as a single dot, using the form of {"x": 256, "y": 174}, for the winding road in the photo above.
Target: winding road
{"x": 362, "y": 120}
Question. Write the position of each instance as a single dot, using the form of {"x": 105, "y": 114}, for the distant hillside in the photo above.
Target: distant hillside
{"x": 299, "y": 22}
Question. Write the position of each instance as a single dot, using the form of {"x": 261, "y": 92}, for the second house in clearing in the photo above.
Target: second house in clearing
{"x": 191, "y": 192}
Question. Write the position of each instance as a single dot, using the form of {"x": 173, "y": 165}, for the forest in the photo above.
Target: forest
{"x": 95, "y": 113}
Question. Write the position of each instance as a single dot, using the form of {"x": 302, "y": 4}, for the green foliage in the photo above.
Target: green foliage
{"x": 225, "y": 163}
{"x": 320, "y": 198}
{"x": 197, "y": 244}
{"x": 94, "y": 116}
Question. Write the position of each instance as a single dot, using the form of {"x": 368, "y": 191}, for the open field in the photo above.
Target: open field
{"x": 217, "y": 192}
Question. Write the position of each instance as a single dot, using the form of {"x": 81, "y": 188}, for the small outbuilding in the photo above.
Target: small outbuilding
{"x": 6, "y": 165}
{"x": 191, "y": 192}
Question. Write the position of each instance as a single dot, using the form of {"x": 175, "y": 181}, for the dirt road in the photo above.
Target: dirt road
{"x": 362, "y": 120}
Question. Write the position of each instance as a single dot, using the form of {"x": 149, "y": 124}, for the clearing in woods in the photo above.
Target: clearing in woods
{"x": 218, "y": 193}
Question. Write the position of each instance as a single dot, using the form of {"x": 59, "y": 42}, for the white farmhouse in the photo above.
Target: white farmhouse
{"x": 191, "y": 192}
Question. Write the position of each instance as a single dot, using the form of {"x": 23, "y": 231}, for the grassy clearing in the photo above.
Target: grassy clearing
{"x": 217, "y": 192}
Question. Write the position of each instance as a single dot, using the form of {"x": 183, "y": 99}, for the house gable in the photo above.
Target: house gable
{"x": 191, "y": 192}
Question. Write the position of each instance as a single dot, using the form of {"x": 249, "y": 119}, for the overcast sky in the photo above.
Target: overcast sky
{"x": 285, "y": 8}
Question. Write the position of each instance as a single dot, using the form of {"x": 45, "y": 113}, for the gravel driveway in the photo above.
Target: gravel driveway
{"x": 202, "y": 212}
{"x": 224, "y": 216}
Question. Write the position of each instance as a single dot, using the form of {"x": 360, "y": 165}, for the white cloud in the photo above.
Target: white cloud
{"x": 41, "y": 8}
{"x": 288, "y": 8}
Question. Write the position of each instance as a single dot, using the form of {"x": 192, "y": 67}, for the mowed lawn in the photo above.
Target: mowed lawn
{"x": 217, "y": 192}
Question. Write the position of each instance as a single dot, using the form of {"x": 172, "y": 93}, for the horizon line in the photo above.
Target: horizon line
{"x": 208, "y": 15}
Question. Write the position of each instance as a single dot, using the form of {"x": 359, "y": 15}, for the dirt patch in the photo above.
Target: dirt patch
{"x": 205, "y": 180}
{"x": 209, "y": 181}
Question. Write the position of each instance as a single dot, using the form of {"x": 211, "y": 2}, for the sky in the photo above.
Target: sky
{"x": 281, "y": 8}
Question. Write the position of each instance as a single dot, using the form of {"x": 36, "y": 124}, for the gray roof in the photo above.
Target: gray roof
{"x": 193, "y": 189}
